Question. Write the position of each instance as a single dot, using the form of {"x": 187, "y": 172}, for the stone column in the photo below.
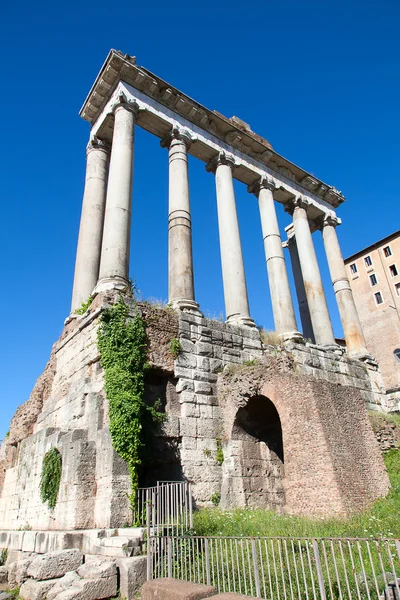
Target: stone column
{"x": 114, "y": 265}
{"x": 180, "y": 261}
{"x": 235, "y": 289}
{"x": 352, "y": 330}
{"x": 281, "y": 297}
{"x": 92, "y": 220}
{"x": 319, "y": 313}
{"x": 305, "y": 317}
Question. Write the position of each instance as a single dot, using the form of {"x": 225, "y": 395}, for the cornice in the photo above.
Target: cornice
{"x": 119, "y": 67}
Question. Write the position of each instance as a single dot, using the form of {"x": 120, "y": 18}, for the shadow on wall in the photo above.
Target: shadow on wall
{"x": 254, "y": 468}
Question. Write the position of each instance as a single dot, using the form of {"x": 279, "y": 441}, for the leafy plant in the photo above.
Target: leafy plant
{"x": 3, "y": 557}
{"x": 219, "y": 455}
{"x": 175, "y": 347}
{"x": 216, "y": 498}
{"x": 84, "y": 306}
{"x": 51, "y": 477}
{"x": 207, "y": 452}
{"x": 123, "y": 351}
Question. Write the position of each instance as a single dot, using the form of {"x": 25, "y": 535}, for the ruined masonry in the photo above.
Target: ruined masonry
{"x": 278, "y": 422}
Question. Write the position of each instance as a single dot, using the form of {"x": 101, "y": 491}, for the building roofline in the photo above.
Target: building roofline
{"x": 373, "y": 246}
{"x": 123, "y": 67}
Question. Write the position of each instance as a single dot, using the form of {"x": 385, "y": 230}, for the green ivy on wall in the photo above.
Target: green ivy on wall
{"x": 123, "y": 352}
{"x": 51, "y": 477}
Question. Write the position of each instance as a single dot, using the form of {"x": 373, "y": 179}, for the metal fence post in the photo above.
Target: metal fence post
{"x": 255, "y": 566}
{"x": 169, "y": 550}
{"x": 190, "y": 505}
{"x": 208, "y": 571}
{"x": 319, "y": 569}
{"x": 149, "y": 540}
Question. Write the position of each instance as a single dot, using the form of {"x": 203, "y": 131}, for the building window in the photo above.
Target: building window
{"x": 368, "y": 261}
{"x": 397, "y": 288}
{"x": 353, "y": 268}
{"x": 378, "y": 298}
{"x": 387, "y": 251}
{"x": 373, "y": 280}
{"x": 396, "y": 353}
{"x": 393, "y": 270}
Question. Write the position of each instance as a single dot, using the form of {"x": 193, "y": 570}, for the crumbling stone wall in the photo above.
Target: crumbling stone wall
{"x": 319, "y": 397}
{"x": 68, "y": 409}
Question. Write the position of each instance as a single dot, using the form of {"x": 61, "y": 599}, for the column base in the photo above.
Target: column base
{"x": 292, "y": 336}
{"x": 364, "y": 356}
{"x": 240, "y": 321}
{"x": 186, "y": 305}
{"x": 111, "y": 283}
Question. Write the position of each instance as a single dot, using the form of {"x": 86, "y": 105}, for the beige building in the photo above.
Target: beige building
{"x": 375, "y": 280}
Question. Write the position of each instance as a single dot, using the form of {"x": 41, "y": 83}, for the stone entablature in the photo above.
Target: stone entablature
{"x": 163, "y": 102}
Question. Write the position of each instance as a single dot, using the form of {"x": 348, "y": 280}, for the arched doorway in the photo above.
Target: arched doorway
{"x": 259, "y": 460}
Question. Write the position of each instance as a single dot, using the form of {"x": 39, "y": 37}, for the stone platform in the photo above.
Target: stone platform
{"x": 253, "y": 423}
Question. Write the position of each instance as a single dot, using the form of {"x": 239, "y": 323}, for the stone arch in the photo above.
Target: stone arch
{"x": 255, "y": 461}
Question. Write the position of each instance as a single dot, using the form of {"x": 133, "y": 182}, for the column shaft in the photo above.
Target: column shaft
{"x": 352, "y": 330}
{"x": 235, "y": 289}
{"x": 281, "y": 297}
{"x": 319, "y": 313}
{"x": 304, "y": 310}
{"x": 180, "y": 261}
{"x": 114, "y": 266}
{"x": 91, "y": 225}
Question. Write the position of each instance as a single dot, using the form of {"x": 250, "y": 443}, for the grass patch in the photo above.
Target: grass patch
{"x": 381, "y": 520}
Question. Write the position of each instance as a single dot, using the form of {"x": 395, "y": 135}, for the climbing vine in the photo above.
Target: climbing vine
{"x": 122, "y": 346}
{"x": 84, "y": 306}
{"x": 51, "y": 477}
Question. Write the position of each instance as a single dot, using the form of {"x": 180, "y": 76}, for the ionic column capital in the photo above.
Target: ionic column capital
{"x": 96, "y": 143}
{"x": 331, "y": 220}
{"x": 265, "y": 182}
{"x": 127, "y": 104}
{"x": 223, "y": 158}
{"x": 178, "y": 133}
{"x": 297, "y": 202}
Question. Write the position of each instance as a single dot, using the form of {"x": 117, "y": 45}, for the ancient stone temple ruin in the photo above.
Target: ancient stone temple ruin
{"x": 279, "y": 425}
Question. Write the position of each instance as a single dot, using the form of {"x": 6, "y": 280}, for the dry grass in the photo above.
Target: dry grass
{"x": 270, "y": 338}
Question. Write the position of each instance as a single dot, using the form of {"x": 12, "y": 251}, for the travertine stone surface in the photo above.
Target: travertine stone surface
{"x": 319, "y": 313}
{"x": 92, "y": 220}
{"x": 353, "y": 333}
{"x": 56, "y": 564}
{"x": 95, "y": 481}
{"x": 234, "y": 280}
{"x": 281, "y": 297}
{"x": 180, "y": 262}
{"x": 114, "y": 264}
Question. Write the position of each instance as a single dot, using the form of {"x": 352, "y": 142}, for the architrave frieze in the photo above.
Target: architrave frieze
{"x": 160, "y": 120}
{"x": 232, "y": 134}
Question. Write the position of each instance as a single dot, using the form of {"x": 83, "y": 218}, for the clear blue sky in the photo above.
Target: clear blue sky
{"x": 319, "y": 79}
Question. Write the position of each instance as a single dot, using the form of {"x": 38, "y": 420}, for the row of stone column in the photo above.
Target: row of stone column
{"x": 104, "y": 238}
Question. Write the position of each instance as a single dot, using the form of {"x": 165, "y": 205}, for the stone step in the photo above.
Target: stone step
{"x": 118, "y": 542}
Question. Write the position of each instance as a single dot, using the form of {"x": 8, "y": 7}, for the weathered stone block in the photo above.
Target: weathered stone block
{"x": 90, "y": 589}
{"x": 204, "y": 349}
{"x": 18, "y": 572}
{"x": 55, "y": 564}
{"x": 202, "y": 387}
{"x": 97, "y": 569}
{"x": 36, "y": 590}
{"x": 132, "y": 575}
{"x": 3, "y": 574}
{"x": 62, "y": 584}
{"x": 172, "y": 589}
